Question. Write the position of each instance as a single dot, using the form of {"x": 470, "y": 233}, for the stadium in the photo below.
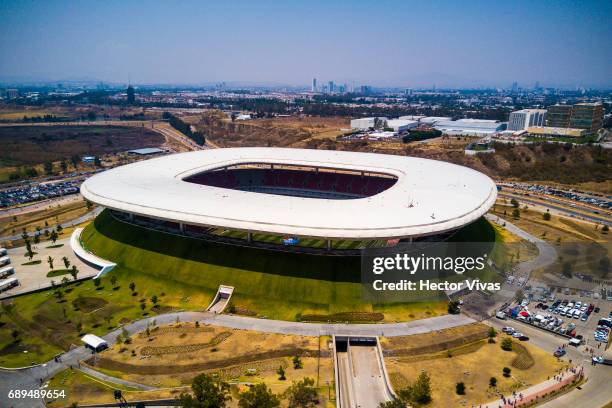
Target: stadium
{"x": 311, "y": 201}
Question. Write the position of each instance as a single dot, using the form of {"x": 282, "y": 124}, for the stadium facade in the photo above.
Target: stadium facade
{"x": 278, "y": 197}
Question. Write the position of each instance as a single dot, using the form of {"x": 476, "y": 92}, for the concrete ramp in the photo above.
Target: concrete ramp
{"x": 221, "y": 299}
{"x": 361, "y": 377}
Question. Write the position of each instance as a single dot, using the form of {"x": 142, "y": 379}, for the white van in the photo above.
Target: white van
{"x": 8, "y": 284}
{"x": 577, "y": 314}
{"x": 6, "y": 271}
{"x": 5, "y": 260}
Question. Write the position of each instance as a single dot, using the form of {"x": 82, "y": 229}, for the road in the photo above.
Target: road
{"x": 79, "y": 220}
{"x": 561, "y": 208}
{"x": 368, "y": 380}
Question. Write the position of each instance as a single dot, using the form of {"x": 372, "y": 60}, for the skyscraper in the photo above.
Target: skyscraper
{"x": 331, "y": 86}
{"x": 314, "y": 85}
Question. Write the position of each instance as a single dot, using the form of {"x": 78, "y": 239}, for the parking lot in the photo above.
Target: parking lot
{"x": 576, "y": 315}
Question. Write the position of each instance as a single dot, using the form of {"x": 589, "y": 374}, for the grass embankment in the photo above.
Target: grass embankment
{"x": 276, "y": 285}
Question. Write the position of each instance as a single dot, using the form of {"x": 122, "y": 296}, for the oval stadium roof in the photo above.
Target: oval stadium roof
{"x": 429, "y": 196}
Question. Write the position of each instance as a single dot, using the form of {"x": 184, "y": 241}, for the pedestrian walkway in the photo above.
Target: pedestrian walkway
{"x": 538, "y": 391}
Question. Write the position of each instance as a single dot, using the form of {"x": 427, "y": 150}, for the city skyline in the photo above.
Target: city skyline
{"x": 392, "y": 44}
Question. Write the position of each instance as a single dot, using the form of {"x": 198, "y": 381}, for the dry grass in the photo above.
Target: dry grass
{"x": 53, "y": 215}
{"x": 436, "y": 341}
{"x": 172, "y": 355}
{"x": 473, "y": 364}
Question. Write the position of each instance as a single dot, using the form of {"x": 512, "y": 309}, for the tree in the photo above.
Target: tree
{"x": 258, "y": 396}
{"x": 75, "y": 159}
{"x": 88, "y": 204}
{"x": 281, "y": 373}
{"x": 493, "y": 382}
{"x": 113, "y": 280}
{"x": 48, "y": 167}
{"x": 460, "y": 388}
{"x": 15, "y": 334}
{"x": 506, "y": 371}
{"x": 143, "y": 306}
{"x": 506, "y": 344}
{"x": 154, "y": 300}
{"x": 64, "y": 166}
{"x": 74, "y": 272}
{"x": 519, "y": 296}
{"x": 79, "y": 327}
{"x": 453, "y": 307}
{"x": 516, "y": 214}
{"x": 50, "y": 262}
{"x": 546, "y": 215}
{"x": 97, "y": 283}
{"x": 59, "y": 228}
{"x": 492, "y": 334}
{"x": 66, "y": 262}
{"x": 297, "y": 363}
{"x": 132, "y": 286}
{"x": 566, "y": 269}
{"x": 605, "y": 229}
{"x": 53, "y": 236}
{"x": 514, "y": 203}
{"x": 418, "y": 393}
{"x": 29, "y": 252}
{"x": 302, "y": 394}
{"x": 207, "y": 393}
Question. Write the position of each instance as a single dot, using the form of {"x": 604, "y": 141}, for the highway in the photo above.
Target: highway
{"x": 561, "y": 207}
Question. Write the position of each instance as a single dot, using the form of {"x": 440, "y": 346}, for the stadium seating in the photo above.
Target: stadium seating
{"x": 303, "y": 183}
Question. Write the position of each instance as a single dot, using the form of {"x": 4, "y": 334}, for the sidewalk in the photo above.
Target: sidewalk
{"x": 538, "y": 391}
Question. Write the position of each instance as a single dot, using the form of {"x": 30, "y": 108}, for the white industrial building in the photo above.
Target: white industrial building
{"x": 526, "y": 118}
{"x": 401, "y": 125}
{"x": 365, "y": 123}
{"x": 469, "y": 127}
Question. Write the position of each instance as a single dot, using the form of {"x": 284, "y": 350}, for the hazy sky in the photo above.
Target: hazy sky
{"x": 387, "y": 43}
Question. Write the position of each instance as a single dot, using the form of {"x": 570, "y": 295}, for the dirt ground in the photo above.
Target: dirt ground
{"x": 473, "y": 364}
{"x": 171, "y": 355}
{"x": 280, "y": 131}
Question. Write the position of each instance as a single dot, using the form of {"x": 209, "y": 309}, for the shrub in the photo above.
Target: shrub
{"x": 506, "y": 344}
{"x": 460, "y": 388}
{"x": 493, "y": 382}
{"x": 506, "y": 371}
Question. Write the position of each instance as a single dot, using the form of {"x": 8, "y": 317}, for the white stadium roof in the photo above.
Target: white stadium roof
{"x": 429, "y": 196}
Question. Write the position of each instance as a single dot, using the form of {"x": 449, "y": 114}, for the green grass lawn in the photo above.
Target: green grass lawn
{"x": 58, "y": 272}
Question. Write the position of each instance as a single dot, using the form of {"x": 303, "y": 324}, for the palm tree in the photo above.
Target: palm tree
{"x": 50, "y": 262}
{"x": 66, "y": 261}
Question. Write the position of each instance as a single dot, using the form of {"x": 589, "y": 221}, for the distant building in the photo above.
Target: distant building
{"x": 401, "y": 125}
{"x": 131, "y": 95}
{"x": 526, "y": 118}
{"x": 469, "y": 127}
{"x": 146, "y": 151}
{"x": 588, "y": 116}
{"x": 331, "y": 87}
{"x": 243, "y": 116}
{"x": 12, "y": 94}
{"x": 431, "y": 120}
{"x": 314, "y": 85}
{"x": 547, "y": 131}
{"x": 366, "y": 123}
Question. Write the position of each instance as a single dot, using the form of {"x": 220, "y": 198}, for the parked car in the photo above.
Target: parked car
{"x": 560, "y": 352}
{"x": 523, "y": 338}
